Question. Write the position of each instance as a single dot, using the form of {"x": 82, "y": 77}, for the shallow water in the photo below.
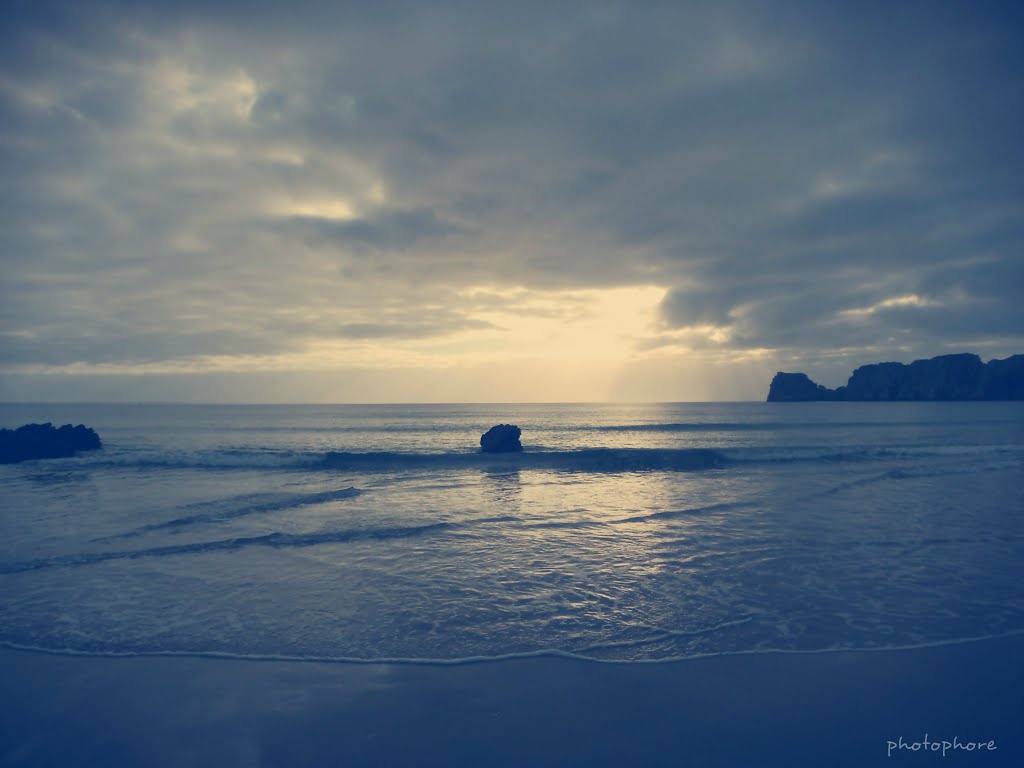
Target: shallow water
{"x": 624, "y": 532}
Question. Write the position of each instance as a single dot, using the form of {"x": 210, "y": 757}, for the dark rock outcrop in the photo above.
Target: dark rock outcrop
{"x": 502, "y": 438}
{"x": 44, "y": 441}
{"x": 795, "y": 387}
{"x": 1004, "y": 379}
{"x": 947, "y": 377}
{"x": 950, "y": 377}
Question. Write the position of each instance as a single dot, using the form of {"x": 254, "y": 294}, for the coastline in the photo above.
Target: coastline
{"x": 836, "y": 708}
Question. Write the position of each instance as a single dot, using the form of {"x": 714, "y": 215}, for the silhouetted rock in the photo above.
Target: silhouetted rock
{"x": 1004, "y": 379}
{"x": 44, "y": 441}
{"x": 502, "y": 438}
{"x": 795, "y": 387}
{"x": 947, "y": 377}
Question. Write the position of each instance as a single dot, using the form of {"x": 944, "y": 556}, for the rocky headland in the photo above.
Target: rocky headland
{"x": 947, "y": 377}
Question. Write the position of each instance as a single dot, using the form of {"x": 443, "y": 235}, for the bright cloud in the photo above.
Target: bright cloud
{"x": 583, "y": 199}
{"x": 909, "y": 300}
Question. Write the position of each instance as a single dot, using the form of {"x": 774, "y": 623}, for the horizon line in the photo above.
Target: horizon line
{"x": 367, "y": 403}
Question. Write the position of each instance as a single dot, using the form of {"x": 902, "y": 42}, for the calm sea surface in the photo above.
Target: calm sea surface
{"x": 623, "y": 532}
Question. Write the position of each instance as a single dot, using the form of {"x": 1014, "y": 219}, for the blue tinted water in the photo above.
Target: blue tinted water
{"x": 623, "y": 532}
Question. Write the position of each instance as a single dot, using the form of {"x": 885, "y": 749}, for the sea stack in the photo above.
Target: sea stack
{"x": 501, "y": 438}
{"x": 44, "y": 441}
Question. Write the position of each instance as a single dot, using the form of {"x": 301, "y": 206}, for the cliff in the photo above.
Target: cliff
{"x": 947, "y": 377}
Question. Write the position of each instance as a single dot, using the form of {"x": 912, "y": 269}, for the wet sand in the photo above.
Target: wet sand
{"x": 823, "y": 709}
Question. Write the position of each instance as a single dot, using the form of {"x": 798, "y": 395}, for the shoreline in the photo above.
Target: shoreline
{"x": 833, "y": 708}
{"x": 399, "y": 661}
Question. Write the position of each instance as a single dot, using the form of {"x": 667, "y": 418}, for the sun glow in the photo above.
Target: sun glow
{"x": 495, "y": 344}
{"x": 594, "y": 324}
{"x": 549, "y": 332}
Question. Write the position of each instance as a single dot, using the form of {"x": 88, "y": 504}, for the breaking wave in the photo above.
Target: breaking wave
{"x": 258, "y": 504}
{"x": 281, "y": 540}
{"x": 276, "y": 539}
{"x": 855, "y": 454}
{"x": 598, "y": 460}
{"x": 583, "y": 460}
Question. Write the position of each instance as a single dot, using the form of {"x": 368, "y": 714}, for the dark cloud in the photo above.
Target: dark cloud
{"x": 386, "y": 230}
{"x": 186, "y": 179}
{"x": 412, "y": 330}
{"x": 66, "y": 346}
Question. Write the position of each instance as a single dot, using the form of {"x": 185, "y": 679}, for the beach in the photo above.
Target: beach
{"x": 759, "y": 584}
{"x": 512, "y": 384}
{"x": 783, "y": 709}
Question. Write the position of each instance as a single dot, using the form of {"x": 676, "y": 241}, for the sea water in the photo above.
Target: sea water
{"x": 621, "y": 533}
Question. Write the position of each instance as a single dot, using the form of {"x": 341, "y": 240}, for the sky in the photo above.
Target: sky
{"x": 502, "y": 202}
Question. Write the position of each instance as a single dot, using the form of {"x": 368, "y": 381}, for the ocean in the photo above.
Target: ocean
{"x": 623, "y": 533}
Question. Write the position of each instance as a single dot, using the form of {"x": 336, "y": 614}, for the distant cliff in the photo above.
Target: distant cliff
{"x": 947, "y": 377}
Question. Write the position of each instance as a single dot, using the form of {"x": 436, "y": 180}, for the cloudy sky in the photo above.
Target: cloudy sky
{"x": 467, "y": 201}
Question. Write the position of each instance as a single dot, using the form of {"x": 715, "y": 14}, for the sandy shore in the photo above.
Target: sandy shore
{"x": 829, "y": 709}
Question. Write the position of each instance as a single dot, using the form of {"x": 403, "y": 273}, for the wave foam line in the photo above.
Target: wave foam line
{"x": 837, "y": 455}
{"x": 277, "y": 503}
{"x": 668, "y": 514}
{"x": 746, "y": 426}
{"x": 227, "y": 461}
{"x": 277, "y": 540}
{"x": 583, "y": 460}
{"x": 664, "y": 634}
{"x": 467, "y": 660}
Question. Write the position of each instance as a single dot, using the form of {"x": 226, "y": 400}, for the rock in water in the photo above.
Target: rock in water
{"x": 502, "y": 438}
{"x": 44, "y": 441}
